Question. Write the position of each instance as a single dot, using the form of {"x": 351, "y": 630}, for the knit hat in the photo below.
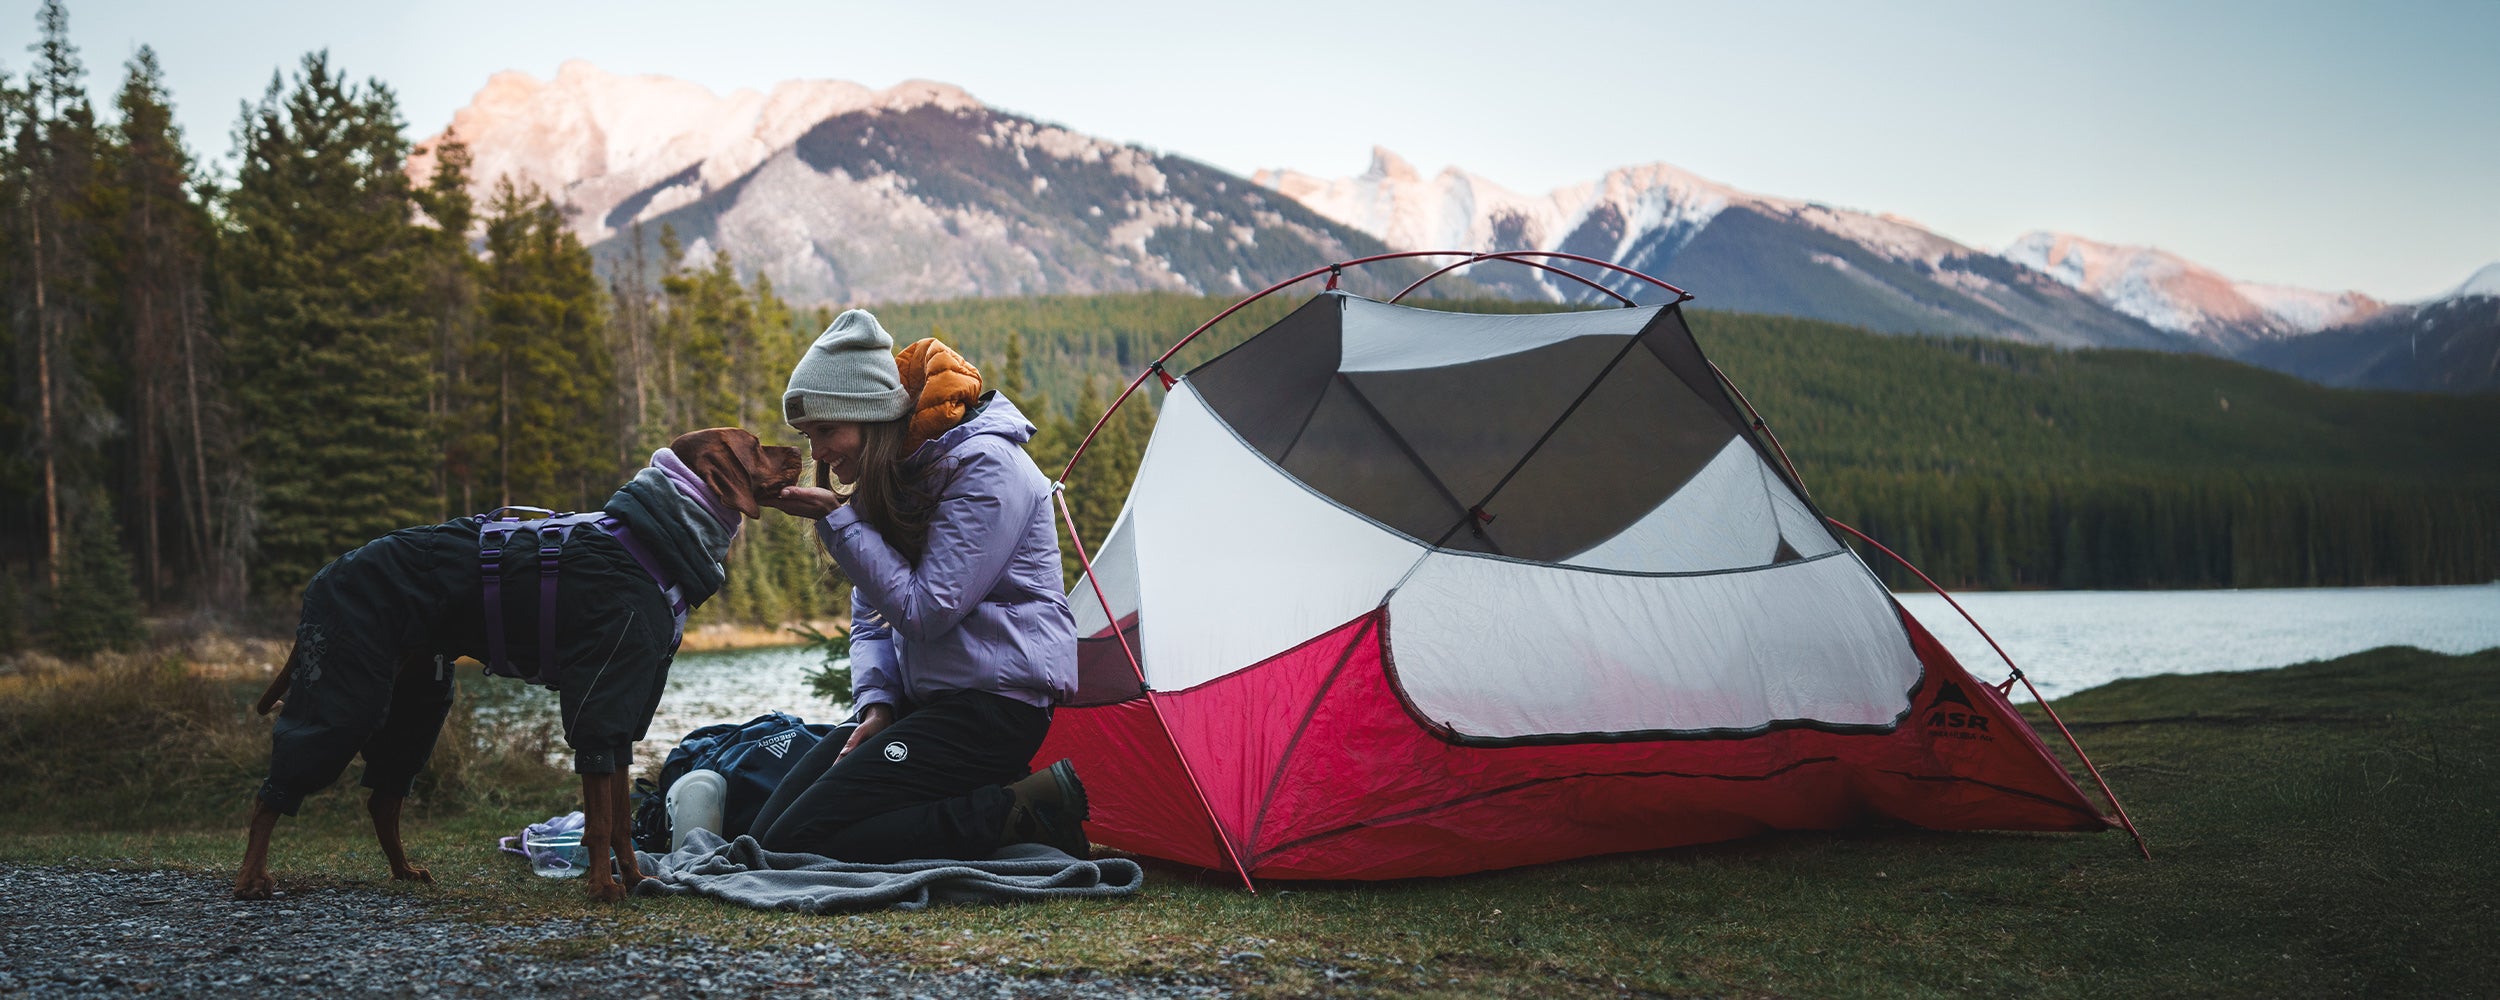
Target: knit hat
{"x": 848, "y": 374}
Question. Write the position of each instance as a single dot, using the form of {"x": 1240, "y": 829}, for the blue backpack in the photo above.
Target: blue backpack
{"x": 753, "y": 756}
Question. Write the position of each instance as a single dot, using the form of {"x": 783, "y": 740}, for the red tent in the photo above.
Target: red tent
{"x": 1406, "y": 592}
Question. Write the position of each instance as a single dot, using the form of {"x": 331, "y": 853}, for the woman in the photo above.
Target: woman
{"x": 961, "y": 639}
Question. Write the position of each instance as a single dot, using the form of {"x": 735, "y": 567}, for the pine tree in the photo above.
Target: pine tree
{"x": 541, "y": 366}
{"x": 324, "y": 278}
{"x": 180, "y": 463}
{"x": 94, "y": 608}
{"x": 633, "y": 341}
{"x": 53, "y": 190}
{"x": 706, "y": 334}
{"x": 451, "y": 272}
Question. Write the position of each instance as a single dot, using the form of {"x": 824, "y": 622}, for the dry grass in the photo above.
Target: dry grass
{"x": 156, "y": 740}
{"x": 2319, "y": 830}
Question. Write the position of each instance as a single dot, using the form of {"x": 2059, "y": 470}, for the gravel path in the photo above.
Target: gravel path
{"x": 79, "y": 933}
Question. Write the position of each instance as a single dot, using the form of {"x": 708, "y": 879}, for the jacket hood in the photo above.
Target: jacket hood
{"x": 942, "y": 387}
{"x": 992, "y": 414}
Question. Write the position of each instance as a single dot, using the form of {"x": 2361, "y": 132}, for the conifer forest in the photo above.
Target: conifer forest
{"x": 223, "y": 372}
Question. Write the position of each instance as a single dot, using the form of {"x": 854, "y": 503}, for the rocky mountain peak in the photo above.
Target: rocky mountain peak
{"x": 2181, "y": 296}
{"x": 597, "y": 141}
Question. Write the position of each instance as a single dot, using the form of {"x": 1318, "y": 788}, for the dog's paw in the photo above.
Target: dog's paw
{"x": 606, "y": 891}
{"x": 254, "y": 885}
{"x": 412, "y": 873}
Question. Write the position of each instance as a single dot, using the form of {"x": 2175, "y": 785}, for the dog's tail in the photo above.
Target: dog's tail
{"x": 278, "y": 684}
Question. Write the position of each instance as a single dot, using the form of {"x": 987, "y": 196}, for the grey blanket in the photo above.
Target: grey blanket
{"x": 743, "y": 872}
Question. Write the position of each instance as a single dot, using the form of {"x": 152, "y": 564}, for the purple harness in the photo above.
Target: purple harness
{"x": 496, "y": 530}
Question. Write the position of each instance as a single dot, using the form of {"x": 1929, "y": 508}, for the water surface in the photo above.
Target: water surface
{"x": 2066, "y": 641}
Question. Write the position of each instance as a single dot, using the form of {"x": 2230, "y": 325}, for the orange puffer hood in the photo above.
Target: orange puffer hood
{"x": 942, "y": 385}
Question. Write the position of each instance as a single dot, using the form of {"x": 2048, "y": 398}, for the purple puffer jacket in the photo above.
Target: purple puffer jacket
{"x": 984, "y": 610}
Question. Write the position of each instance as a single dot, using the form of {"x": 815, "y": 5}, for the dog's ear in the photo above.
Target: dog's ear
{"x": 739, "y": 468}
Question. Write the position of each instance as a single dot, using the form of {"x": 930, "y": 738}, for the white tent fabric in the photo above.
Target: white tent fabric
{"x": 1115, "y": 568}
{"x": 1383, "y": 337}
{"x": 1475, "y": 639}
{"x": 1218, "y": 529}
{"x": 1680, "y": 622}
{"x": 1803, "y": 530}
{"x": 1730, "y": 515}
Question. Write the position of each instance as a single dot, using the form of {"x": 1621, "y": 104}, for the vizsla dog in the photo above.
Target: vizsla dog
{"x": 592, "y": 605}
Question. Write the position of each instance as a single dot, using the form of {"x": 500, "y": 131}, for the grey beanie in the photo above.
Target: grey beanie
{"x": 848, "y": 374}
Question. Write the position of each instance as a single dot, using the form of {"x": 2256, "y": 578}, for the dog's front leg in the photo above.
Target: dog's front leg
{"x": 595, "y": 839}
{"x": 385, "y": 812}
{"x": 621, "y": 829}
{"x": 253, "y": 882}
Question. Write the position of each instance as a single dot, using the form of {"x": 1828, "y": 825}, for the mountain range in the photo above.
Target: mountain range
{"x": 839, "y": 193}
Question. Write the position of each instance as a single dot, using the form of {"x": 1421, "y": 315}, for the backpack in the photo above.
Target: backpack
{"x": 753, "y": 756}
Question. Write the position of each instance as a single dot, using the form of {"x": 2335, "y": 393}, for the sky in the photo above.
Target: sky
{"x": 2328, "y": 146}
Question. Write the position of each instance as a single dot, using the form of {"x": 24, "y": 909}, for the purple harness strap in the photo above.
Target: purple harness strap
{"x": 549, "y": 529}
{"x": 677, "y": 603}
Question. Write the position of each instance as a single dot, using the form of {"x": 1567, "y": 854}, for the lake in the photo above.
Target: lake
{"x": 2065, "y": 640}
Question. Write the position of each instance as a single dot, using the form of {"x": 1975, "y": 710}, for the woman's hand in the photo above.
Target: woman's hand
{"x": 871, "y": 719}
{"x": 804, "y": 501}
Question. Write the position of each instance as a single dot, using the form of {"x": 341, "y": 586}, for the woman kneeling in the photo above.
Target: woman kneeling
{"x": 961, "y": 640}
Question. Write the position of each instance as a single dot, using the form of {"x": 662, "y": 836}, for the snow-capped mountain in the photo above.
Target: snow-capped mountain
{"x": 2484, "y": 282}
{"x": 2448, "y": 344}
{"x": 616, "y": 149}
{"x": 1458, "y": 210}
{"x": 839, "y": 193}
{"x": 1734, "y": 249}
{"x": 2180, "y": 296}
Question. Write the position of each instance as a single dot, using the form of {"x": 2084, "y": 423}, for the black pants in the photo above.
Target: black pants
{"x": 926, "y": 786}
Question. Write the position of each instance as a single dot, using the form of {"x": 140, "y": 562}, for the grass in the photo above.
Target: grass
{"x": 2321, "y": 829}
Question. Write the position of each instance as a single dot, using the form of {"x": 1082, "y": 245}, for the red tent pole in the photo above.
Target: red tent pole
{"x": 2018, "y": 675}
{"x": 1157, "y": 366}
{"x": 1087, "y": 562}
{"x": 2123, "y": 819}
{"x": 1512, "y": 258}
{"x": 1333, "y": 270}
{"x": 1077, "y": 541}
{"x": 1759, "y": 425}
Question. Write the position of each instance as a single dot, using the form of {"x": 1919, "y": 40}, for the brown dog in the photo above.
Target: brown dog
{"x": 369, "y": 674}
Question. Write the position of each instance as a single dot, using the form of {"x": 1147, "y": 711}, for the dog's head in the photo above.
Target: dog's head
{"x": 739, "y": 468}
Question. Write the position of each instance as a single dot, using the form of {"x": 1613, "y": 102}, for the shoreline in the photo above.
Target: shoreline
{"x": 228, "y": 657}
{"x": 719, "y": 637}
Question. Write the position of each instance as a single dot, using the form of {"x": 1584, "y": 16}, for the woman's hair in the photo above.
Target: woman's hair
{"x": 888, "y": 496}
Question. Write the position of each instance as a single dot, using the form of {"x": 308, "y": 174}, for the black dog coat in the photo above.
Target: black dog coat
{"x": 372, "y": 669}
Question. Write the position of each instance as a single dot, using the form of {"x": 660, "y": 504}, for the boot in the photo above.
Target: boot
{"x": 1049, "y": 809}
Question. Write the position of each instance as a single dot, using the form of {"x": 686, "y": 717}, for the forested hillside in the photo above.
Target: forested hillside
{"x": 1996, "y": 465}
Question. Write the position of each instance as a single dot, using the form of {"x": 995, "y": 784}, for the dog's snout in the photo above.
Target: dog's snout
{"x": 784, "y": 463}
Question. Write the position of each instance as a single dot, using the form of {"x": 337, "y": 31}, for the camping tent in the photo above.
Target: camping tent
{"x": 1404, "y": 592}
